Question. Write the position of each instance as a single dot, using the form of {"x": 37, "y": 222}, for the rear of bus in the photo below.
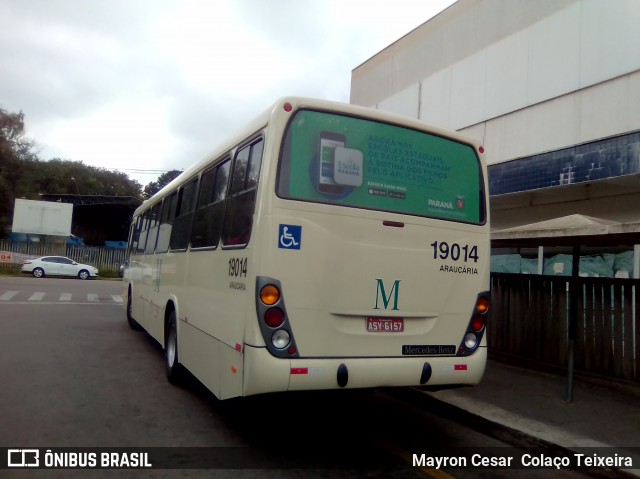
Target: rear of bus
{"x": 374, "y": 270}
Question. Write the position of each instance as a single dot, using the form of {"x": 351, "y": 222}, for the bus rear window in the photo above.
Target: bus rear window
{"x": 359, "y": 163}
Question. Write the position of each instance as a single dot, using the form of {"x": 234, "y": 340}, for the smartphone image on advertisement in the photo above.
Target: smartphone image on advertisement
{"x": 329, "y": 141}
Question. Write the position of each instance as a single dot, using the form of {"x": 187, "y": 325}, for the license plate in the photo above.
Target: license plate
{"x": 385, "y": 325}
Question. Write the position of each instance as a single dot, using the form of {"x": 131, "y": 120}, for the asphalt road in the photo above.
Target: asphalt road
{"x": 75, "y": 375}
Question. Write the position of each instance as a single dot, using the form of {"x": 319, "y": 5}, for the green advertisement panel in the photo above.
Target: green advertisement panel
{"x": 365, "y": 164}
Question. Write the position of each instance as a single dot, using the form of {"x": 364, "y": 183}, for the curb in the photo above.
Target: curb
{"x": 510, "y": 435}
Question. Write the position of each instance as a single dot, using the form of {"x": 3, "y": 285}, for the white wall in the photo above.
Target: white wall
{"x": 458, "y": 32}
{"x": 571, "y": 76}
{"x": 584, "y": 44}
{"x": 405, "y": 102}
{"x": 600, "y": 111}
{"x": 42, "y": 217}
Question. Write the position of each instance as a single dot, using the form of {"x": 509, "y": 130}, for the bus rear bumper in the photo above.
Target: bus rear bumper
{"x": 265, "y": 373}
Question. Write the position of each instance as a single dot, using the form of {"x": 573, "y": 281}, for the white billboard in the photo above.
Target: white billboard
{"x": 42, "y": 217}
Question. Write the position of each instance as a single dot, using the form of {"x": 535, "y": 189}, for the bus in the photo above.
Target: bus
{"x": 327, "y": 246}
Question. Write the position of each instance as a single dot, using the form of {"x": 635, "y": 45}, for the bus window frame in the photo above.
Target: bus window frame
{"x": 225, "y": 160}
{"x": 154, "y": 226}
{"x": 144, "y": 229}
{"x": 180, "y": 215}
{"x": 243, "y": 191}
{"x": 169, "y": 204}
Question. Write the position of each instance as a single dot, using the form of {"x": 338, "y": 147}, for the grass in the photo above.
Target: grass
{"x": 109, "y": 274}
{"x": 8, "y": 270}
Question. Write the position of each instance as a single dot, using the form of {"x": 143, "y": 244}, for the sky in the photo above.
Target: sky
{"x": 147, "y": 86}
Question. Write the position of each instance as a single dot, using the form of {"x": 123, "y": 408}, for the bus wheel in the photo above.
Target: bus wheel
{"x": 133, "y": 324}
{"x": 172, "y": 364}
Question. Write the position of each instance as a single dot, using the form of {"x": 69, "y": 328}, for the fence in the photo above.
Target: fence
{"x": 530, "y": 319}
{"x": 106, "y": 260}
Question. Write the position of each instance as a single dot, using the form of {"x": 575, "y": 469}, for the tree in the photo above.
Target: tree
{"x": 163, "y": 180}
{"x": 13, "y": 148}
{"x": 24, "y": 175}
{"x": 11, "y": 131}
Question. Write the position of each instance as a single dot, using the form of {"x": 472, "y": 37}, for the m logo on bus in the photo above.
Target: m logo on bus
{"x": 382, "y": 297}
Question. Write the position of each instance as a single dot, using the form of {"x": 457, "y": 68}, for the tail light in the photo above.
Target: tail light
{"x": 274, "y": 317}
{"x": 273, "y": 320}
{"x": 477, "y": 325}
{"x": 269, "y": 294}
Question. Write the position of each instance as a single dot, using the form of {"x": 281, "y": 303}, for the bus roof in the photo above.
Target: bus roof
{"x": 276, "y": 108}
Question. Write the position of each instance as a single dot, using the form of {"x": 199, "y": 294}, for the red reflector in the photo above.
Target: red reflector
{"x": 238, "y": 347}
{"x": 459, "y": 367}
{"x": 481, "y": 149}
{"x": 299, "y": 370}
{"x": 288, "y": 107}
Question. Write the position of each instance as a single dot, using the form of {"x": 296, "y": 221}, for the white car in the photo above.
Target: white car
{"x": 58, "y": 266}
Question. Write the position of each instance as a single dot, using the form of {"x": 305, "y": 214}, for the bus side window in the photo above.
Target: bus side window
{"x": 207, "y": 221}
{"x": 253, "y": 171}
{"x": 135, "y": 235}
{"x": 154, "y": 219}
{"x": 166, "y": 222}
{"x": 142, "y": 239}
{"x": 181, "y": 230}
{"x": 242, "y": 195}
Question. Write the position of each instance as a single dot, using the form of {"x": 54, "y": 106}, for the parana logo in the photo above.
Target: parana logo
{"x": 445, "y": 205}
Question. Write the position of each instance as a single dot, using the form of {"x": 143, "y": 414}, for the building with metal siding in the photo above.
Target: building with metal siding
{"x": 551, "y": 88}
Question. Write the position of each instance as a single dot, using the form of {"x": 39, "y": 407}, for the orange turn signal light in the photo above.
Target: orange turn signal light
{"x": 269, "y": 295}
{"x": 482, "y": 305}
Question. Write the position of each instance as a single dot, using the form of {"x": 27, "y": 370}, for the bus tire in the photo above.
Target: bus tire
{"x": 173, "y": 368}
{"x": 133, "y": 324}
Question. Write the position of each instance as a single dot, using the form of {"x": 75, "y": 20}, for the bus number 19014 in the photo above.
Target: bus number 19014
{"x": 454, "y": 251}
{"x": 238, "y": 267}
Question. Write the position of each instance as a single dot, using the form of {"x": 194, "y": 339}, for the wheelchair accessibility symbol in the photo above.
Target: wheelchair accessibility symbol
{"x": 289, "y": 237}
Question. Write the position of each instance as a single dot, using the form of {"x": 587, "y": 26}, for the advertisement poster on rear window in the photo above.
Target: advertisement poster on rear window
{"x": 360, "y": 163}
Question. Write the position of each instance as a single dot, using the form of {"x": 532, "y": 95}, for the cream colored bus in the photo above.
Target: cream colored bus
{"x": 328, "y": 246}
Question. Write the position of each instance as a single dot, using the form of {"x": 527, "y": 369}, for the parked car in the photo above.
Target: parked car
{"x": 58, "y": 266}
